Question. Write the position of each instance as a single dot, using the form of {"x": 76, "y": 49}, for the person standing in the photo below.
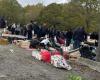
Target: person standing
{"x": 18, "y": 29}
{"x": 13, "y": 28}
{"x": 68, "y": 36}
{"x": 78, "y": 37}
{"x": 35, "y": 28}
{"x": 29, "y": 31}
{"x": 24, "y": 30}
{"x": 2, "y": 23}
{"x": 44, "y": 30}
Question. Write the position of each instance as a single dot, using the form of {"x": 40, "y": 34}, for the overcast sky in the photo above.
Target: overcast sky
{"x": 45, "y": 2}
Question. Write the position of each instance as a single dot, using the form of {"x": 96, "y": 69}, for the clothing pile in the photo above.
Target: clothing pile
{"x": 55, "y": 59}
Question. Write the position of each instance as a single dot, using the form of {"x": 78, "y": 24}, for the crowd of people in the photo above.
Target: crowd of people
{"x": 50, "y": 36}
{"x": 77, "y": 35}
{"x": 51, "y": 45}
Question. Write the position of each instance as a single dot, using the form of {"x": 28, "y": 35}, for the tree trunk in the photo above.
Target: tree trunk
{"x": 98, "y": 50}
{"x": 88, "y": 13}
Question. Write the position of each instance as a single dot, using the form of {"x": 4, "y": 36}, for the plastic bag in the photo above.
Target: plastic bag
{"x": 60, "y": 62}
{"x": 36, "y": 54}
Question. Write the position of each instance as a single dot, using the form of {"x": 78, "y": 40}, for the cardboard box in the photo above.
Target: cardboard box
{"x": 3, "y": 41}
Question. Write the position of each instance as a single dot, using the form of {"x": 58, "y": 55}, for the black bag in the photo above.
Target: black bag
{"x": 34, "y": 43}
{"x": 86, "y": 52}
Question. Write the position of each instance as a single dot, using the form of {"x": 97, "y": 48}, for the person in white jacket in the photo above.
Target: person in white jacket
{"x": 45, "y": 41}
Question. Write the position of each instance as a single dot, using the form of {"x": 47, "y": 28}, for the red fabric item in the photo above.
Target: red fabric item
{"x": 66, "y": 55}
{"x": 46, "y": 56}
{"x": 61, "y": 41}
{"x": 55, "y": 52}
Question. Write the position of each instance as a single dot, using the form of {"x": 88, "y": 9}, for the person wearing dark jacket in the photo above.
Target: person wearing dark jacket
{"x": 2, "y": 23}
{"x": 9, "y": 28}
{"x": 50, "y": 32}
{"x": 44, "y": 30}
{"x": 36, "y": 28}
{"x": 18, "y": 29}
{"x": 58, "y": 33}
{"x": 13, "y": 28}
{"x": 39, "y": 33}
{"x": 68, "y": 36}
{"x": 29, "y": 31}
{"x": 24, "y": 31}
{"x": 78, "y": 37}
